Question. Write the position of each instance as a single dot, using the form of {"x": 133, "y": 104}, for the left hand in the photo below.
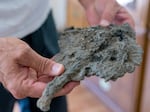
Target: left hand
{"x": 105, "y": 12}
{"x": 24, "y": 73}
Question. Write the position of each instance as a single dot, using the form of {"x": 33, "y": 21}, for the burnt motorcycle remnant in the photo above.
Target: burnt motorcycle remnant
{"x": 107, "y": 52}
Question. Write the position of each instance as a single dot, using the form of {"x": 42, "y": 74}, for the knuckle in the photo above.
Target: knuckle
{"x": 14, "y": 91}
{"x": 9, "y": 86}
{"x": 22, "y": 50}
{"x": 18, "y": 94}
{"x": 44, "y": 63}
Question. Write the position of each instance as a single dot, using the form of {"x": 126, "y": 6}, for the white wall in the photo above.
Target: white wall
{"x": 59, "y": 8}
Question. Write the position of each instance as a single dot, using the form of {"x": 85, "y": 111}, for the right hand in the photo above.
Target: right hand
{"x": 105, "y": 12}
{"x": 25, "y": 73}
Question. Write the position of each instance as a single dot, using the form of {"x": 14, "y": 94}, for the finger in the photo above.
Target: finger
{"x": 45, "y": 78}
{"x": 92, "y": 16}
{"x": 67, "y": 88}
{"x": 124, "y": 17}
{"x": 30, "y": 58}
{"x": 109, "y": 13}
{"x": 36, "y": 89}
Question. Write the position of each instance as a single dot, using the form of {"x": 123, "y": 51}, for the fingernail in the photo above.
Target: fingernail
{"x": 104, "y": 22}
{"x": 57, "y": 68}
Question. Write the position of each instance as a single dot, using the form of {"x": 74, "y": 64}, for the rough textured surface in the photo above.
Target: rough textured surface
{"x": 107, "y": 52}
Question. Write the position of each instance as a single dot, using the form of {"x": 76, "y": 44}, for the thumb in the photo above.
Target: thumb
{"x": 41, "y": 64}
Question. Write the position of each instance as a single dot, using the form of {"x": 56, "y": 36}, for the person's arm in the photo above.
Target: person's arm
{"x": 104, "y": 12}
{"x": 25, "y": 73}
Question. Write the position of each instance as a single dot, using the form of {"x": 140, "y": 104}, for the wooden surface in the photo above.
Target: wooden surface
{"x": 82, "y": 100}
{"x": 75, "y": 14}
{"x": 146, "y": 89}
{"x": 119, "y": 96}
{"x": 145, "y": 99}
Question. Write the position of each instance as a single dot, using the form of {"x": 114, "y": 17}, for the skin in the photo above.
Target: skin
{"x": 24, "y": 73}
{"x": 105, "y": 12}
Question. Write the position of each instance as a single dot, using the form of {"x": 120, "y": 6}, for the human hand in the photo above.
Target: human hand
{"x": 25, "y": 73}
{"x": 104, "y": 12}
